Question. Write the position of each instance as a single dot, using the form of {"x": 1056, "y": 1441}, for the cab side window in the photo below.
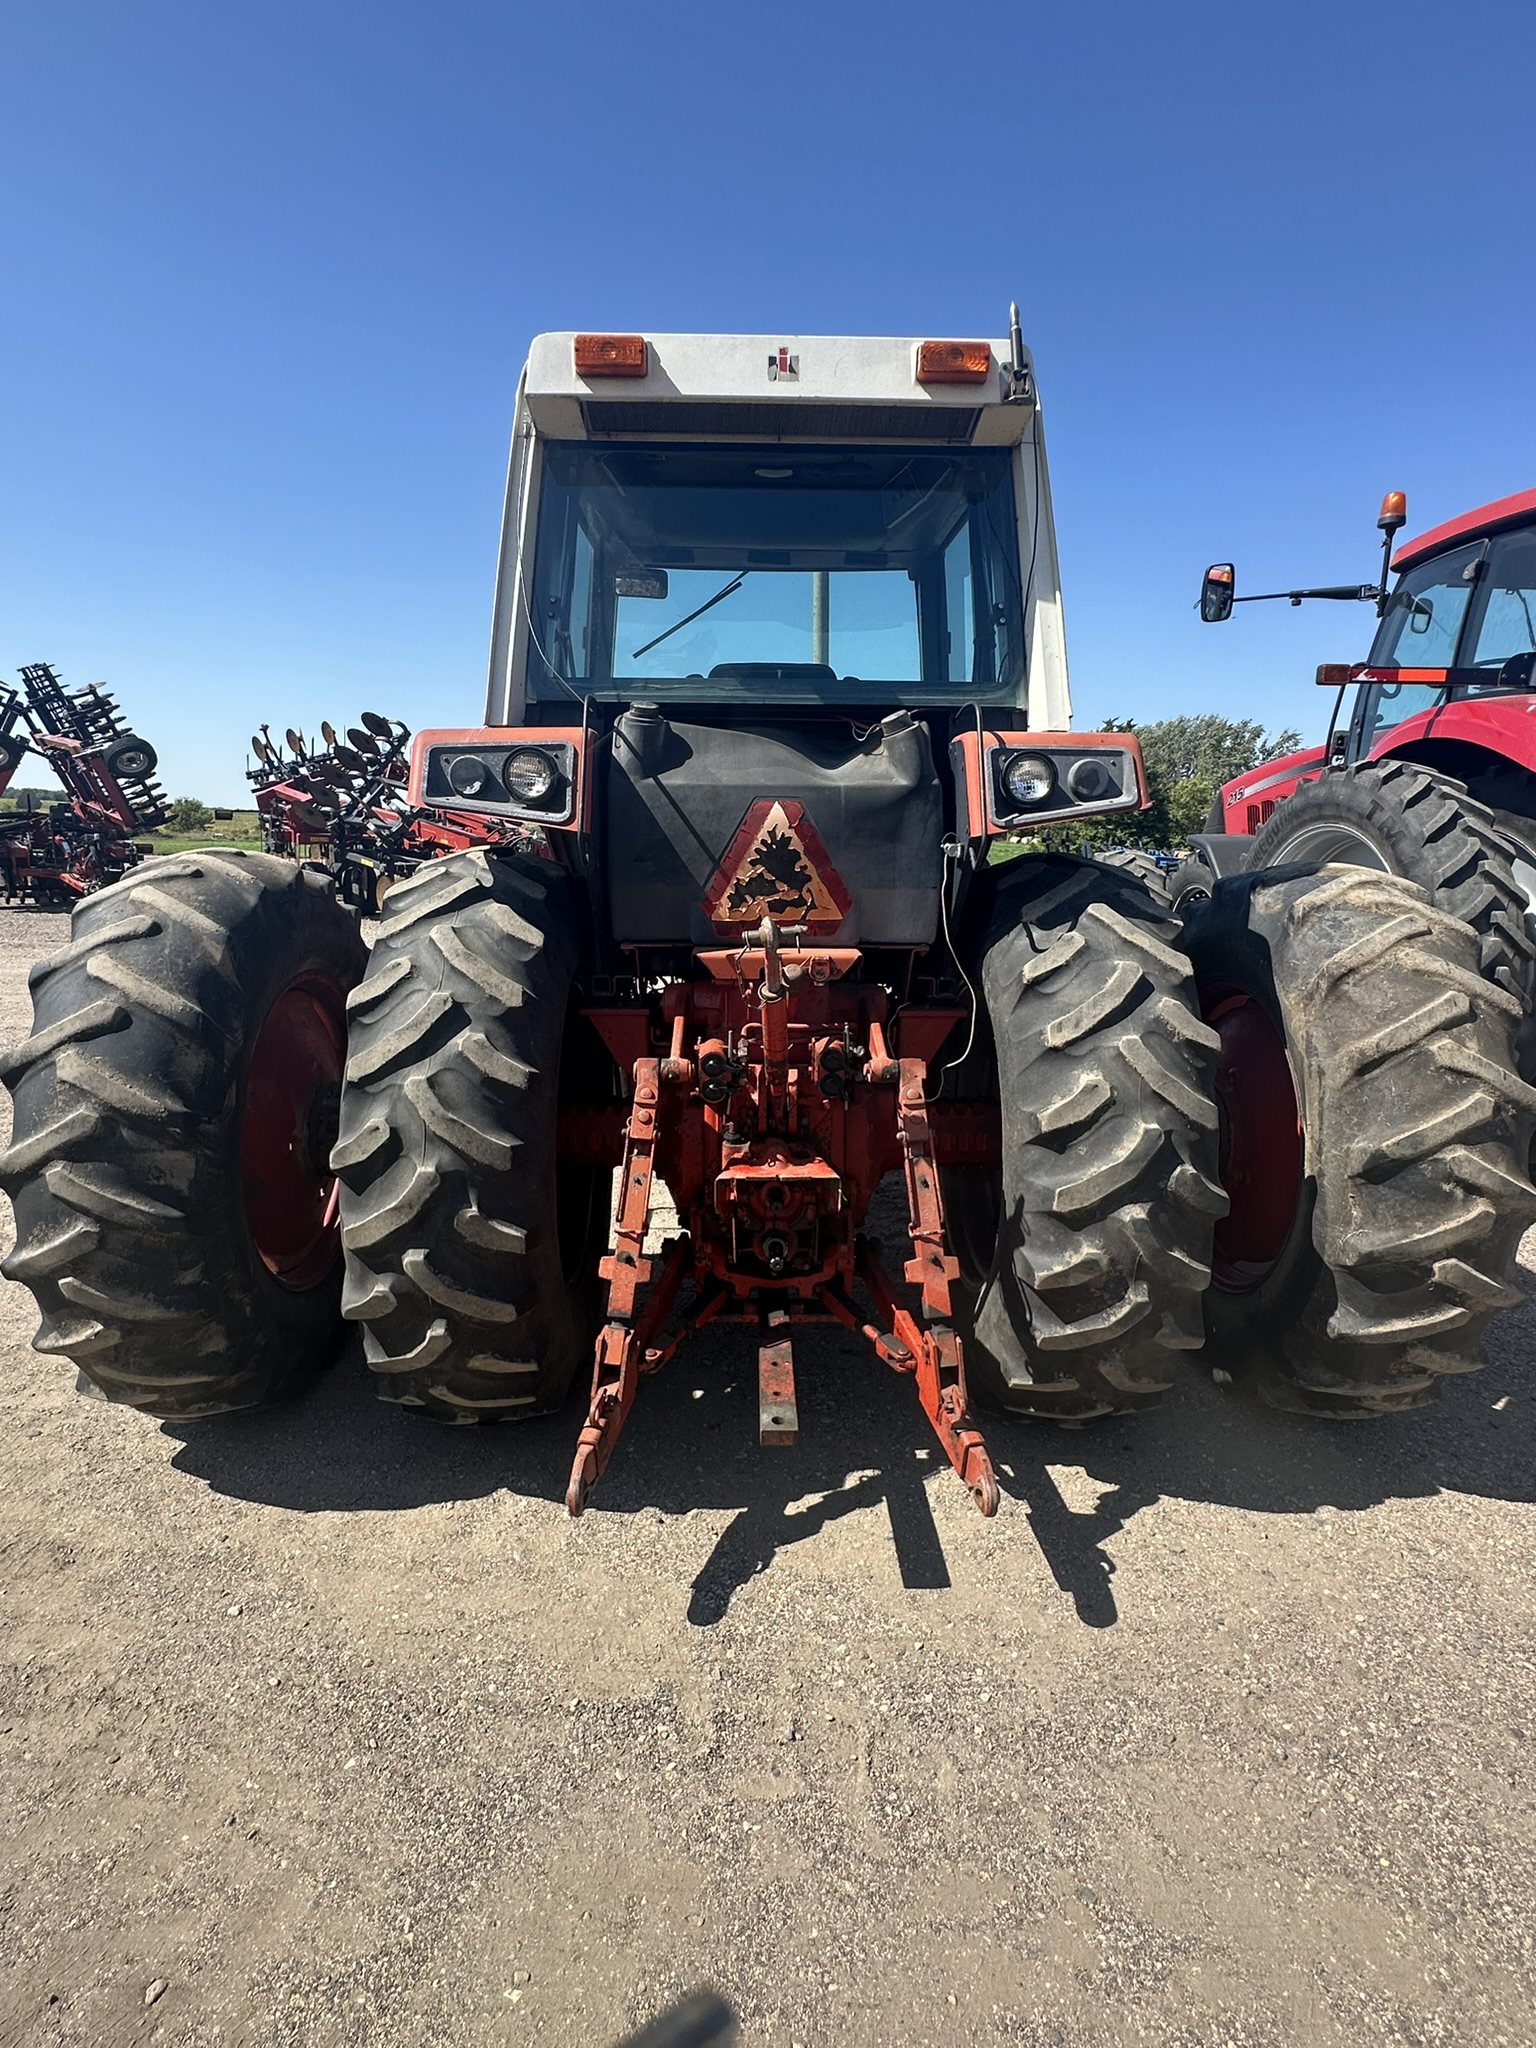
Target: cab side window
{"x": 1422, "y": 622}
{"x": 1503, "y": 622}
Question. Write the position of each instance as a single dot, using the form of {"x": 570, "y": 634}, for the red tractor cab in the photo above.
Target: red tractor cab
{"x": 1430, "y": 769}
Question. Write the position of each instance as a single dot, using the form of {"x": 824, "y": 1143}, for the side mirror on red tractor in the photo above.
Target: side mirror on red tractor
{"x": 1216, "y": 593}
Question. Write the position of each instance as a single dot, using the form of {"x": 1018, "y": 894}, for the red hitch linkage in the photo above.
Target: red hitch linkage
{"x": 622, "y": 1344}
{"x": 933, "y": 1344}
{"x": 749, "y": 1130}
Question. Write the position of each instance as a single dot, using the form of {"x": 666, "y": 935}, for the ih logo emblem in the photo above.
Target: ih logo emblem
{"x": 776, "y": 867}
{"x": 783, "y": 364}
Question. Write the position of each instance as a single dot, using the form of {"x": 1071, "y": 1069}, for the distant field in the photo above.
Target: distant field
{"x": 243, "y": 829}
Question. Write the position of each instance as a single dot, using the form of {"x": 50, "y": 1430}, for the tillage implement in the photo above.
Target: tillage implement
{"x": 54, "y": 854}
{"x": 748, "y": 911}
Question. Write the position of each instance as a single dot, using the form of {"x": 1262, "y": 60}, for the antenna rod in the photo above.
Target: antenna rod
{"x": 1020, "y": 383}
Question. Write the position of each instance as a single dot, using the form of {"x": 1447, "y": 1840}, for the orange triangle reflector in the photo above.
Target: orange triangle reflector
{"x": 776, "y": 866}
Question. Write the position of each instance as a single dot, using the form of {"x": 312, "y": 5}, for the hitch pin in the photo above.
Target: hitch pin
{"x": 773, "y": 1009}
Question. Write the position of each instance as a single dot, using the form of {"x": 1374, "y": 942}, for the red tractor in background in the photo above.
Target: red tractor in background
{"x": 1433, "y": 773}
{"x": 56, "y": 855}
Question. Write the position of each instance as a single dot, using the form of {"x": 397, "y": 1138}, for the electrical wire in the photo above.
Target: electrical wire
{"x": 569, "y": 688}
{"x": 951, "y": 852}
{"x": 1034, "y": 535}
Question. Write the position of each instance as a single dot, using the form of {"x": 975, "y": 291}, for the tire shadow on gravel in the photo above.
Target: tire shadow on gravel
{"x": 1210, "y": 1446}
{"x": 691, "y": 1443}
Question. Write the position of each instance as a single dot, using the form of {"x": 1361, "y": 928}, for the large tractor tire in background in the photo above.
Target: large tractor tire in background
{"x": 175, "y": 1108}
{"x": 1140, "y": 866}
{"x": 1175, "y": 889}
{"x": 1374, "y": 1135}
{"x": 471, "y": 1253}
{"x": 1402, "y": 819}
{"x": 1084, "y": 1259}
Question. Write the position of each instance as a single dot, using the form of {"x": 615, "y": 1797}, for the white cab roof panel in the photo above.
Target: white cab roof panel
{"x": 767, "y": 386}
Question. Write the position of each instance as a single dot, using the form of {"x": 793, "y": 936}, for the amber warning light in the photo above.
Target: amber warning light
{"x": 1394, "y": 511}
{"x": 610, "y": 355}
{"x": 954, "y": 362}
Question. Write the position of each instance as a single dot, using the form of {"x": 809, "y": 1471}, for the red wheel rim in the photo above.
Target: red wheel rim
{"x": 1261, "y": 1150}
{"x": 292, "y": 1095}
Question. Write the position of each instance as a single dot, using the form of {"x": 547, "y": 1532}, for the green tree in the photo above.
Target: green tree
{"x": 1209, "y": 748}
{"x": 1187, "y": 760}
{"x": 188, "y": 814}
{"x": 1187, "y": 804}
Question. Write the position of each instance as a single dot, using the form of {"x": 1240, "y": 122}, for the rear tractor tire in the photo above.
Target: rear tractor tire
{"x": 175, "y": 1107}
{"x": 1085, "y": 1259}
{"x": 1374, "y": 1135}
{"x": 1401, "y": 819}
{"x": 471, "y": 1252}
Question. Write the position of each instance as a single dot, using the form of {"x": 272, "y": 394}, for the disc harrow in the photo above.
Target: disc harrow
{"x": 342, "y": 806}
{"x": 56, "y": 855}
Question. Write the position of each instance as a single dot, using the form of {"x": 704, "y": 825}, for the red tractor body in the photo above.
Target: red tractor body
{"x": 1448, "y": 684}
{"x": 772, "y": 1087}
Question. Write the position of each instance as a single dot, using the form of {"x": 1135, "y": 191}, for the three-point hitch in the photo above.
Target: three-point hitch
{"x": 779, "y": 1107}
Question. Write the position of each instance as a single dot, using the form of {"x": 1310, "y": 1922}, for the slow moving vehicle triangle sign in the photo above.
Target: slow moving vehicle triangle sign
{"x": 776, "y": 866}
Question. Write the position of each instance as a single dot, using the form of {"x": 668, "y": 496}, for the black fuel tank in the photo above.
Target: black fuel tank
{"x": 677, "y": 793}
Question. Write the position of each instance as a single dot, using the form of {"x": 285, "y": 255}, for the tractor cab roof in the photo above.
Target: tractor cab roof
{"x": 1515, "y": 510}
{"x": 773, "y": 387}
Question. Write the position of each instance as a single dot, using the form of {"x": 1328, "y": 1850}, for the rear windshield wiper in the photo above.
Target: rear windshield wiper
{"x": 707, "y": 605}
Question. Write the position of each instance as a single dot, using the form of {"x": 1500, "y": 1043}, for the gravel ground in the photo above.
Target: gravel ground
{"x": 328, "y": 1727}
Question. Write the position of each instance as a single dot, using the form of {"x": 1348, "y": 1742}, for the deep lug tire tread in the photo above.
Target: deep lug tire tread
{"x": 1176, "y": 890}
{"x": 1435, "y": 834}
{"x": 1140, "y": 866}
{"x": 447, "y": 1145}
{"x": 1109, "y": 1121}
{"x": 1417, "y": 1128}
{"x": 124, "y": 1165}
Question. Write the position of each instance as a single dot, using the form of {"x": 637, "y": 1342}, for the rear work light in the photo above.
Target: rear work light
{"x": 1031, "y": 780}
{"x": 954, "y": 362}
{"x": 610, "y": 355}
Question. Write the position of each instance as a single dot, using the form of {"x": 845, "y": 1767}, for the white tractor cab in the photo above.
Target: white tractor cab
{"x": 822, "y": 519}
{"x": 818, "y": 568}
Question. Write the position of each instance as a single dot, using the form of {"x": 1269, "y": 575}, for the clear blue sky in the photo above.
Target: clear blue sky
{"x": 270, "y": 271}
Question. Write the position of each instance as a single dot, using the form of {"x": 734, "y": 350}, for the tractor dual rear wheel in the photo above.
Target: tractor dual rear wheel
{"x": 1374, "y": 1138}
{"x": 471, "y": 1251}
{"x": 175, "y": 1107}
{"x": 1401, "y": 819}
{"x": 1085, "y": 1258}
